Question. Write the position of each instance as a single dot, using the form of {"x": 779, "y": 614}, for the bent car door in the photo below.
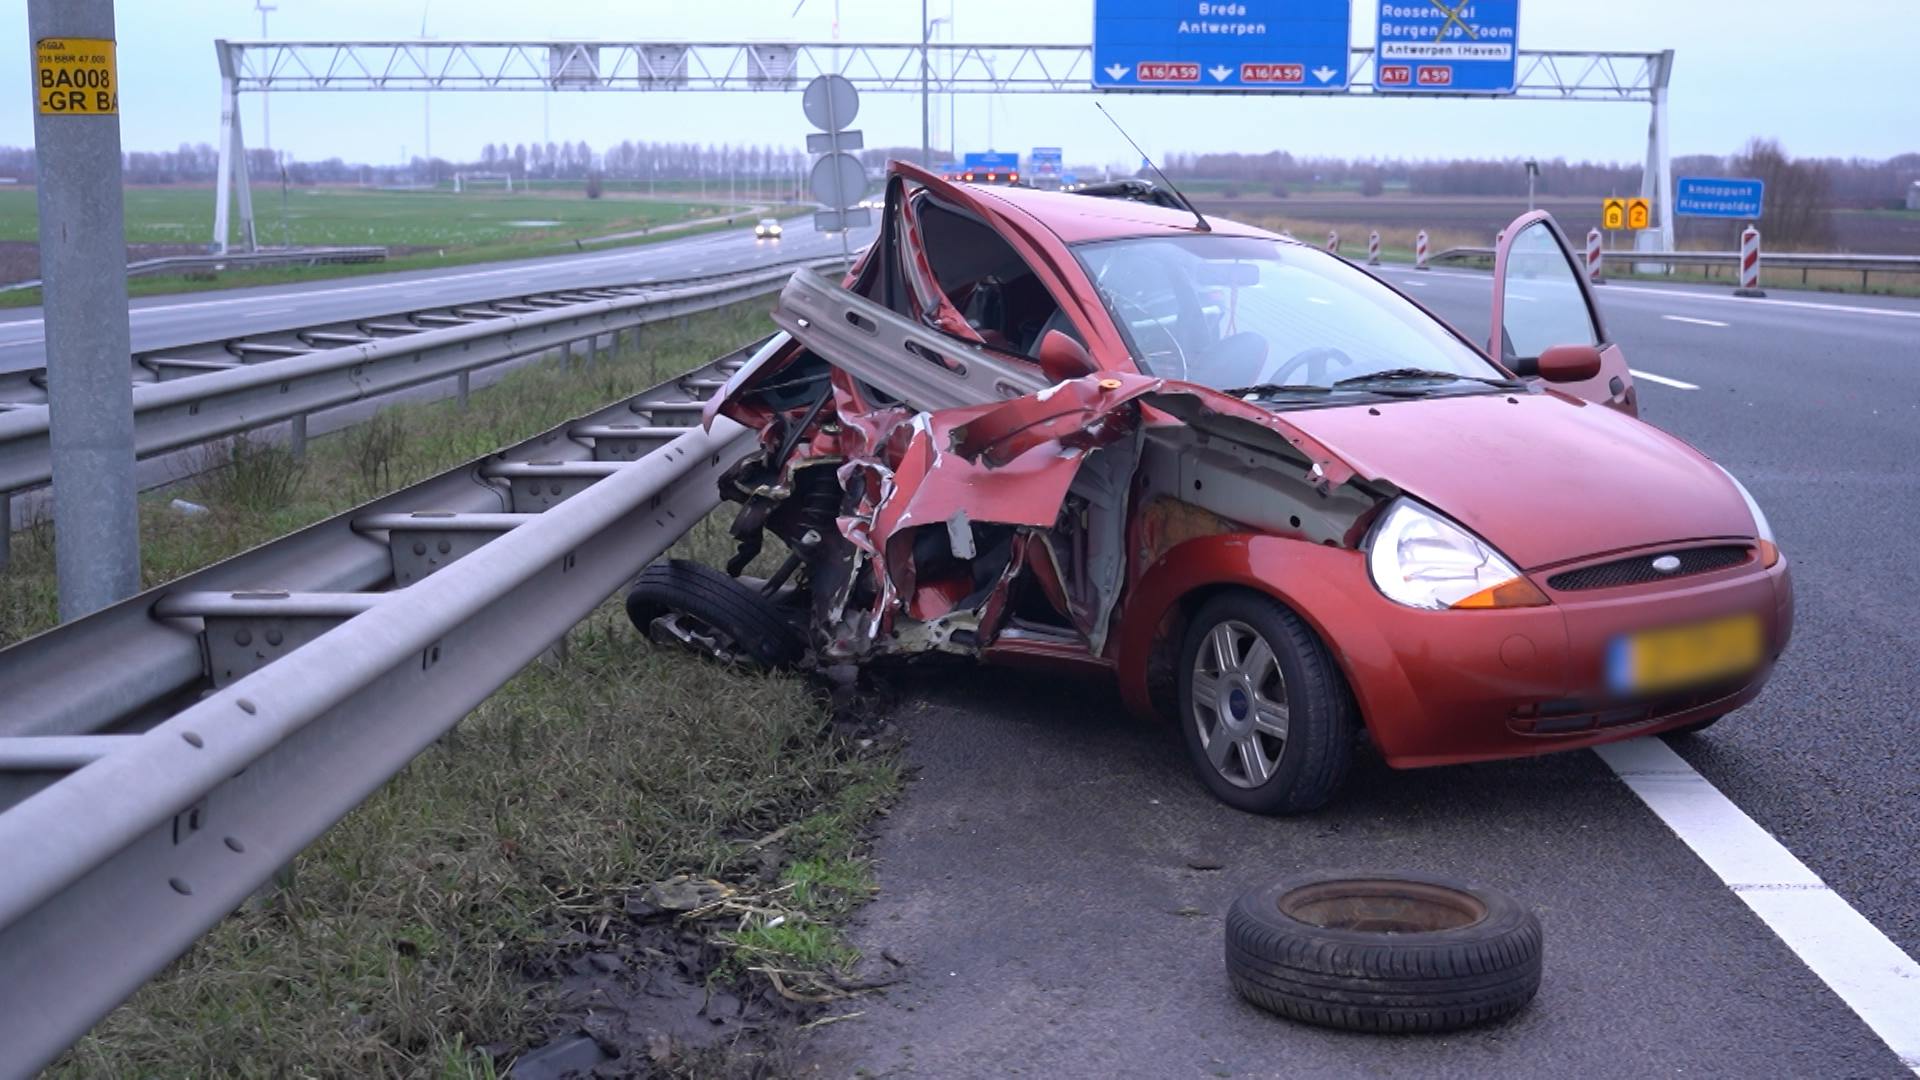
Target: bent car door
{"x": 1541, "y": 299}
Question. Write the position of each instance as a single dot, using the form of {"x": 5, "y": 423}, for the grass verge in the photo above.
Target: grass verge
{"x": 413, "y": 939}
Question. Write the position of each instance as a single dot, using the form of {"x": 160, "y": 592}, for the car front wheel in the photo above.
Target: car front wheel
{"x": 1267, "y": 718}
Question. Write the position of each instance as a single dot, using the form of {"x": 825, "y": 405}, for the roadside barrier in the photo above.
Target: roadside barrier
{"x": 1420, "y": 250}
{"x": 1333, "y": 241}
{"x": 1373, "y": 249}
{"x": 1594, "y": 257}
{"x": 1750, "y": 263}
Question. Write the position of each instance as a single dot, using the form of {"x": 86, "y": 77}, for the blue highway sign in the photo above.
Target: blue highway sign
{"x": 994, "y": 160}
{"x": 1285, "y": 46}
{"x": 1717, "y": 196}
{"x": 1447, "y": 46}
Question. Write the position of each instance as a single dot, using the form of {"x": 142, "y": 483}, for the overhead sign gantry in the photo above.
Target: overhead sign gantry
{"x": 1296, "y": 45}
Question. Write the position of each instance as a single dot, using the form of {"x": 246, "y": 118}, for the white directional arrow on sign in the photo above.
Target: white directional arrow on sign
{"x": 1220, "y": 72}
{"x": 1116, "y": 72}
{"x": 1323, "y": 73}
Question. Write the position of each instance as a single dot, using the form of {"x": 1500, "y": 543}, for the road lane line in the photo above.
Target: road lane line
{"x": 1868, "y": 972}
{"x": 1662, "y": 380}
{"x": 1694, "y": 321}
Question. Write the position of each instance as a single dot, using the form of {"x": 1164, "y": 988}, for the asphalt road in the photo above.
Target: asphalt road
{"x": 1036, "y": 877}
{"x": 164, "y": 321}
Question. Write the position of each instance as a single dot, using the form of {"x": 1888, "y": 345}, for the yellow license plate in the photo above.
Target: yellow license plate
{"x": 1679, "y": 656}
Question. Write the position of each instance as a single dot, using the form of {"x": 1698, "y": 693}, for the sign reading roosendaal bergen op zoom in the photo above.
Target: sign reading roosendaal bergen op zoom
{"x": 1277, "y": 46}
{"x": 1718, "y": 196}
{"x": 1447, "y": 46}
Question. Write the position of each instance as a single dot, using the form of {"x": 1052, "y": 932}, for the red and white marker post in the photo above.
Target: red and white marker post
{"x": 1373, "y": 248}
{"x": 1593, "y": 257}
{"x": 1420, "y": 250}
{"x": 1749, "y": 263}
{"x": 1333, "y": 241}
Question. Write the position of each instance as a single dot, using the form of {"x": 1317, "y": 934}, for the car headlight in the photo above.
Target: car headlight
{"x": 1769, "y": 548}
{"x": 1421, "y": 558}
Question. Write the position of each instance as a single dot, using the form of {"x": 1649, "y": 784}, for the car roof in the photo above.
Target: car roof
{"x": 1077, "y": 218}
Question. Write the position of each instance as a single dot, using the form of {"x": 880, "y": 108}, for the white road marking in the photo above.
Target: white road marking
{"x": 1662, "y": 380}
{"x": 1878, "y": 981}
{"x": 1811, "y": 305}
{"x": 1696, "y": 322}
{"x": 1414, "y": 284}
{"x": 1520, "y": 297}
{"x": 1319, "y": 300}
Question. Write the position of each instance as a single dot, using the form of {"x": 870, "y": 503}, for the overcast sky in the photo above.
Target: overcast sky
{"x": 1831, "y": 79}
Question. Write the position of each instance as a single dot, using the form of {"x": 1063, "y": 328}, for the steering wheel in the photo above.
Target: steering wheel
{"x": 1316, "y": 360}
{"x": 1188, "y": 332}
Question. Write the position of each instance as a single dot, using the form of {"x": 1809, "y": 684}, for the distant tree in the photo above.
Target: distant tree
{"x": 1371, "y": 184}
{"x": 1794, "y": 211}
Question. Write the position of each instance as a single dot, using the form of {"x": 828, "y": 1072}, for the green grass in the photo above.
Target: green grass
{"x": 351, "y": 215}
{"x": 446, "y": 229}
{"x": 396, "y": 944}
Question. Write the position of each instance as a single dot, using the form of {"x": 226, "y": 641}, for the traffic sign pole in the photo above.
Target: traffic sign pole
{"x": 83, "y": 270}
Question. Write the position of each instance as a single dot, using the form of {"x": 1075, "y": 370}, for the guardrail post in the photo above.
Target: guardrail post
{"x": 463, "y": 386}
{"x": 6, "y": 529}
{"x": 1749, "y": 263}
{"x": 297, "y": 436}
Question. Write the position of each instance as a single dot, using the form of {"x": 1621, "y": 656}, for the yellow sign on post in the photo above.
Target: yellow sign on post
{"x": 1613, "y": 214}
{"x": 1639, "y": 213}
{"x": 76, "y": 77}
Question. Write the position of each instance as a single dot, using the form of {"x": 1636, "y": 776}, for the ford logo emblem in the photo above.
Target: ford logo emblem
{"x": 1666, "y": 564}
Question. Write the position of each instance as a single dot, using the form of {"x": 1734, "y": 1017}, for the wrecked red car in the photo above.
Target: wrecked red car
{"x": 1275, "y": 499}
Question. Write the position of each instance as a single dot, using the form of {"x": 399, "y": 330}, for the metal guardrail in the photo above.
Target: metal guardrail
{"x": 169, "y": 264}
{"x": 161, "y": 758}
{"x": 189, "y": 399}
{"x": 1804, "y": 262}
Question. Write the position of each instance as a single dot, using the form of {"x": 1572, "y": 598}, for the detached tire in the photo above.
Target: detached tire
{"x": 1369, "y": 952}
{"x": 692, "y": 605}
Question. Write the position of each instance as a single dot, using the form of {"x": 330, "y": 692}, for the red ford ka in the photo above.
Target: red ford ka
{"x": 1274, "y": 498}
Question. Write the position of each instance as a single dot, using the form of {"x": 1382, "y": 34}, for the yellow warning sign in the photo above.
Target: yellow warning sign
{"x": 1639, "y": 213}
{"x": 76, "y": 77}
{"x": 1613, "y": 214}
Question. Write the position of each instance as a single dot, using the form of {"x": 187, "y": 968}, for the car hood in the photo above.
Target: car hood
{"x": 1542, "y": 477}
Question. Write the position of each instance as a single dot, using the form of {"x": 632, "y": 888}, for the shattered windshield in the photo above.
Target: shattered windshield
{"x": 1263, "y": 316}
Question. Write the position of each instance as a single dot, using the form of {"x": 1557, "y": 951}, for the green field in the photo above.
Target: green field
{"x": 346, "y": 215}
{"x": 421, "y": 229}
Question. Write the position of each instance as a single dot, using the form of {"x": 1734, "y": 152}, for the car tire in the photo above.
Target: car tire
{"x": 1305, "y": 764}
{"x": 693, "y": 606}
{"x": 1381, "y": 953}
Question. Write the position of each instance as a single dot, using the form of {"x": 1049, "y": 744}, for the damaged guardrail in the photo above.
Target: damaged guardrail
{"x": 221, "y": 398}
{"x": 161, "y": 758}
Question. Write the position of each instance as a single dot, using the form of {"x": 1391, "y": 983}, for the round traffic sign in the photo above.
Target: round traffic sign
{"x": 830, "y": 102}
{"x": 837, "y": 181}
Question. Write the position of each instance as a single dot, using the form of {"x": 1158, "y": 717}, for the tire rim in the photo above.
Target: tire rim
{"x": 1381, "y": 906}
{"x": 695, "y": 635}
{"x": 1239, "y": 704}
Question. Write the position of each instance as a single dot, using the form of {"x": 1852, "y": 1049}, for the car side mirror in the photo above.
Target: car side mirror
{"x": 1569, "y": 363}
{"x": 1062, "y": 358}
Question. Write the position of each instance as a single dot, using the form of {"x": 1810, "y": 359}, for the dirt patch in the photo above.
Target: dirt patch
{"x": 20, "y": 259}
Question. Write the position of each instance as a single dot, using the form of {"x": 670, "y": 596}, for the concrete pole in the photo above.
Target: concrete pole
{"x": 1656, "y": 180}
{"x": 83, "y": 264}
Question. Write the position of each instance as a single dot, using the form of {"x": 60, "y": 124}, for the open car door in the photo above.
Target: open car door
{"x": 1540, "y": 300}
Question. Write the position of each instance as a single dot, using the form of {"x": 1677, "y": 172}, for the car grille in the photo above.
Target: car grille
{"x": 1640, "y": 569}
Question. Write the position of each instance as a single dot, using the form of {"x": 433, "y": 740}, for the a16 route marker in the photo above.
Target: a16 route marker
{"x": 75, "y": 77}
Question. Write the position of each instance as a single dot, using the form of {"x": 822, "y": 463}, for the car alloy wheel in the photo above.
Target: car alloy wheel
{"x": 1239, "y": 704}
{"x": 1264, "y": 711}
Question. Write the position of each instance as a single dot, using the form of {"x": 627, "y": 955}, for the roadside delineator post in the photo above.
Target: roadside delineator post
{"x": 1593, "y": 257}
{"x": 1373, "y": 248}
{"x": 1333, "y": 241}
{"x": 1420, "y": 250}
{"x": 1749, "y": 263}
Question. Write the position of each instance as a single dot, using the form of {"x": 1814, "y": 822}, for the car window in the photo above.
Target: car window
{"x": 986, "y": 280}
{"x": 1234, "y": 311}
{"x": 1543, "y": 305}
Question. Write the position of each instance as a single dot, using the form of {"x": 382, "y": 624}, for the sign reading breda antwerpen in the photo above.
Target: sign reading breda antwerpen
{"x": 76, "y": 77}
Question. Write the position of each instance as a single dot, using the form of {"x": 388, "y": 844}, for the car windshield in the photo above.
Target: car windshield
{"x": 1259, "y": 315}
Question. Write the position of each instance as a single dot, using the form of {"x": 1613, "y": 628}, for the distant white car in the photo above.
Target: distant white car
{"x": 767, "y": 229}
